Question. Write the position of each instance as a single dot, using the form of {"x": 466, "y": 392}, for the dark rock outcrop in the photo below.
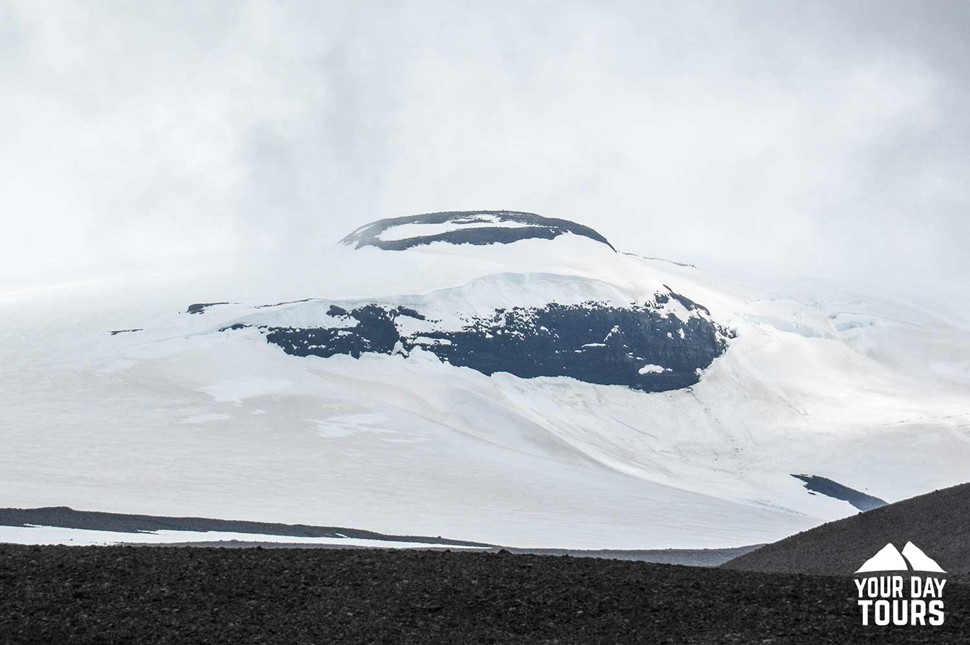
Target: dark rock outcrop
{"x": 835, "y": 490}
{"x": 200, "y": 307}
{"x": 637, "y": 346}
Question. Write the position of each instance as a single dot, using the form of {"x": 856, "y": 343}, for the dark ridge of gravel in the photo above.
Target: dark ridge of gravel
{"x": 938, "y": 523}
{"x": 64, "y": 517}
{"x": 686, "y": 557}
{"x": 296, "y": 596}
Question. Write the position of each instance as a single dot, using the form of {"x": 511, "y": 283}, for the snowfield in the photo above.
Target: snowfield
{"x": 183, "y": 418}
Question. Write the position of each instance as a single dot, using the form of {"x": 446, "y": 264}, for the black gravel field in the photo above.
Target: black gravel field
{"x": 206, "y": 595}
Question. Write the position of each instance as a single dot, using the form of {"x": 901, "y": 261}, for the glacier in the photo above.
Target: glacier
{"x": 207, "y": 413}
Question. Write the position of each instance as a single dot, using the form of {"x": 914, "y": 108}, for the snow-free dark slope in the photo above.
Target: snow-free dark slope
{"x": 938, "y": 523}
{"x": 465, "y": 227}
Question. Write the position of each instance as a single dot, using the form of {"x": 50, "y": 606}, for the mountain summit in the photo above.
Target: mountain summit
{"x": 515, "y": 320}
{"x": 465, "y": 227}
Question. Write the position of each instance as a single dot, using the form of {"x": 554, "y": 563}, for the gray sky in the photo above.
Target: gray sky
{"x": 822, "y": 138}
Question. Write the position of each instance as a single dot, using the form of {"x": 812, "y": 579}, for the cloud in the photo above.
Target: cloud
{"x": 824, "y": 138}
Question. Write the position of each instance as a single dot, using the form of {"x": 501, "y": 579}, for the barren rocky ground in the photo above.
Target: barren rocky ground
{"x": 203, "y": 595}
{"x": 936, "y": 522}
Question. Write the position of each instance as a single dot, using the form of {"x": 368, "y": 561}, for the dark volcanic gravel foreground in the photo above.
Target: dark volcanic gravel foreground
{"x": 195, "y": 595}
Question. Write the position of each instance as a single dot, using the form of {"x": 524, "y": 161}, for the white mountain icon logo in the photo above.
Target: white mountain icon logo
{"x": 890, "y": 559}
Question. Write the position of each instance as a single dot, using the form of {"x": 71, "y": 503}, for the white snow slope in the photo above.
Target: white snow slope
{"x": 182, "y": 419}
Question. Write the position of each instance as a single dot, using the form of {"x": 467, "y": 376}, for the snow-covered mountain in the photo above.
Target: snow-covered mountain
{"x": 528, "y": 325}
{"x": 492, "y": 376}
